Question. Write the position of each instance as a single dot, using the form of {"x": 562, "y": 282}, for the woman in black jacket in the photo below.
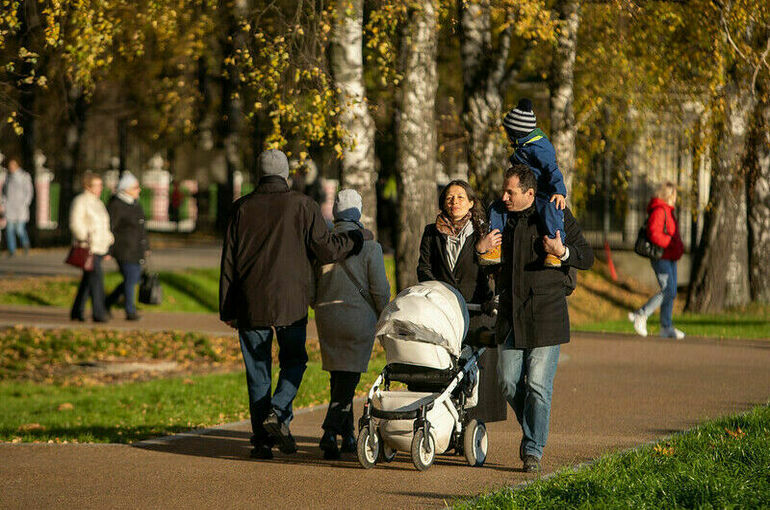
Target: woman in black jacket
{"x": 447, "y": 249}
{"x": 131, "y": 246}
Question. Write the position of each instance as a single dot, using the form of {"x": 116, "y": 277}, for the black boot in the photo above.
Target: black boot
{"x": 328, "y": 445}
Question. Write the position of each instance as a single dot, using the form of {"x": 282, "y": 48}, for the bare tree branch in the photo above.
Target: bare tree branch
{"x": 763, "y": 60}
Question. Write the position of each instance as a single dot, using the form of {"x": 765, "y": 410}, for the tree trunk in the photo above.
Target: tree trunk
{"x": 347, "y": 66}
{"x": 720, "y": 276}
{"x": 563, "y": 127}
{"x": 483, "y": 73}
{"x": 416, "y": 138}
{"x": 73, "y": 136}
{"x": 758, "y": 187}
{"x": 231, "y": 108}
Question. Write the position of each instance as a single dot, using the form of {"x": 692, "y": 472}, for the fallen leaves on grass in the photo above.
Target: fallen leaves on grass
{"x": 735, "y": 434}
{"x": 65, "y": 406}
{"x": 30, "y": 427}
{"x": 664, "y": 451}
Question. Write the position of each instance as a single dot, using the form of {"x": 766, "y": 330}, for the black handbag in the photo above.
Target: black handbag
{"x": 644, "y": 246}
{"x": 150, "y": 291}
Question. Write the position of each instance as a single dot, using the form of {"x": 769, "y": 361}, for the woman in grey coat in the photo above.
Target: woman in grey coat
{"x": 350, "y": 295}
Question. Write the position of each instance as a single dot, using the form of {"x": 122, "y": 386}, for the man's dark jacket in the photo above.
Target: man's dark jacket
{"x": 467, "y": 276}
{"x": 266, "y": 273}
{"x": 533, "y": 298}
{"x": 127, "y": 225}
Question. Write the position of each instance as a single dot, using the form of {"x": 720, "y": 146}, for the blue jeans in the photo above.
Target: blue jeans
{"x": 665, "y": 271}
{"x": 526, "y": 377}
{"x": 13, "y": 229}
{"x": 256, "y": 346}
{"x": 131, "y": 272}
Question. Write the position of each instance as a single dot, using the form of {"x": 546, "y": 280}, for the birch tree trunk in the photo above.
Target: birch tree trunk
{"x": 758, "y": 187}
{"x": 562, "y": 80}
{"x": 347, "y": 66}
{"x": 484, "y": 71}
{"x": 720, "y": 276}
{"x": 416, "y": 137}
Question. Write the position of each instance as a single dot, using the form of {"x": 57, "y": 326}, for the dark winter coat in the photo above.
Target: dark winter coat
{"x": 266, "y": 272}
{"x": 128, "y": 226}
{"x": 537, "y": 152}
{"x": 662, "y": 229}
{"x": 467, "y": 277}
{"x": 533, "y": 298}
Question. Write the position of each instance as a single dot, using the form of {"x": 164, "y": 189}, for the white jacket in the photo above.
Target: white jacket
{"x": 89, "y": 221}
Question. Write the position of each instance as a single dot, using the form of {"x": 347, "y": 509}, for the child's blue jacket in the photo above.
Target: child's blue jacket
{"x": 537, "y": 152}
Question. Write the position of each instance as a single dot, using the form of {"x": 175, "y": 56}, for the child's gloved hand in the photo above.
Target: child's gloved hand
{"x": 561, "y": 202}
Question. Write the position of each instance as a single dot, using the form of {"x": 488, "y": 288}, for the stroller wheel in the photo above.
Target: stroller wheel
{"x": 423, "y": 450}
{"x": 368, "y": 448}
{"x": 387, "y": 454}
{"x": 475, "y": 442}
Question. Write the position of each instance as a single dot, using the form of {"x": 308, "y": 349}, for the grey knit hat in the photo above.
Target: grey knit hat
{"x": 521, "y": 120}
{"x": 347, "y": 206}
{"x": 274, "y": 162}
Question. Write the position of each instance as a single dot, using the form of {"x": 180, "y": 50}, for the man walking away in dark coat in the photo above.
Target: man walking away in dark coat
{"x": 533, "y": 320}
{"x": 266, "y": 282}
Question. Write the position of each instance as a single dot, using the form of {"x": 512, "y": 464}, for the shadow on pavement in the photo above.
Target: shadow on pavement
{"x": 235, "y": 445}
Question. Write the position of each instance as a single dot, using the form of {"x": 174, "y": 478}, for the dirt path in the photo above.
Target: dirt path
{"x": 612, "y": 393}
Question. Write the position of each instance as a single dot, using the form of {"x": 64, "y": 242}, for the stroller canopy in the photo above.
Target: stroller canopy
{"x": 431, "y": 312}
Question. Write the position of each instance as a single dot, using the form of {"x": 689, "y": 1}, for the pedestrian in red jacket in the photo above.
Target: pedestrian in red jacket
{"x": 663, "y": 231}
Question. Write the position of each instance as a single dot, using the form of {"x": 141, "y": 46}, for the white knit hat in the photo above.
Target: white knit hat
{"x": 127, "y": 181}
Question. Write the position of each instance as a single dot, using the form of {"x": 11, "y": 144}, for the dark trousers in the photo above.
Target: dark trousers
{"x": 92, "y": 284}
{"x": 339, "y": 416}
{"x": 131, "y": 272}
{"x": 256, "y": 347}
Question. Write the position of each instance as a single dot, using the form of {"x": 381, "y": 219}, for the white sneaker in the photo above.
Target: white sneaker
{"x": 640, "y": 323}
{"x": 671, "y": 332}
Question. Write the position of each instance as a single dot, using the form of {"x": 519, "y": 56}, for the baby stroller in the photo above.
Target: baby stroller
{"x": 422, "y": 331}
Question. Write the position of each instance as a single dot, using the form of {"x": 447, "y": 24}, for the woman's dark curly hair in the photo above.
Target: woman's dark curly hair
{"x": 478, "y": 216}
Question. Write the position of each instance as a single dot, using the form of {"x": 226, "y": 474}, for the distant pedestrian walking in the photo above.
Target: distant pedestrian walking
{"x": 350, "y": 297}
{"x": 131, "y": 246}
{"x": 265, "y": 283}
{"x": 17, "y": 197}
{"x": 90, "y": 223}
{"x": 663, "y": 231}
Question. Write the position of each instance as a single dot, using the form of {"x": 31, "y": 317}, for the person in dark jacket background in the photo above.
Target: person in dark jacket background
{"x": 273, "y": 235}
{"x": 533, "y": 320}
{"x": 663, "y": 231}
{"x": 131, "y": 246}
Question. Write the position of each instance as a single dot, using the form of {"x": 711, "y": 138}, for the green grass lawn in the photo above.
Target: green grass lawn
{"x": 749, "y": 322}
{"x": 127, "y": 412}
{"x": 191, "y": 290}
{"x": 721, "y": 464}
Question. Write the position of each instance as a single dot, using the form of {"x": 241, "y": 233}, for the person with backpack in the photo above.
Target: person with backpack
{"x": 662, "y": 231}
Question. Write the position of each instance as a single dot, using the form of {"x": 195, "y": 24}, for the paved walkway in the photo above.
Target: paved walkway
{"x": 50, "y": 261}
{"x": 612, "y": 392}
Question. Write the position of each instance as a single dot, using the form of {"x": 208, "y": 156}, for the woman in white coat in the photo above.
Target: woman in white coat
{"x": 90, "y": 223}
{"x": 350, "y": 296}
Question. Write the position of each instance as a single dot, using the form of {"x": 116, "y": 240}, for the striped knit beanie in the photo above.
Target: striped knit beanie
{"x": 521, "y": 120}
